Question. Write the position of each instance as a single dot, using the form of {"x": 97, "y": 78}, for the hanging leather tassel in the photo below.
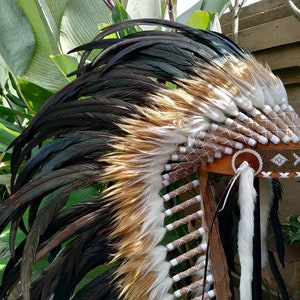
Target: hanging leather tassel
{"x": 216, "y": 252}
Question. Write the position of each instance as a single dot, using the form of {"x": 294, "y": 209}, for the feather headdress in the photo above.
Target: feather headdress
{"x": 146, "y": 122}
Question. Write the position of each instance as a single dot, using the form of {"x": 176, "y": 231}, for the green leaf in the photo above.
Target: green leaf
{"x": 9, "y": 125}
{"x": 199, "y": 19}
{"x": 79, "y": 24}
{"x": 56, "y": 27}
{"x": 77, "y": 195}
{"x": 6, "y": 137}
{"x": 35, "y": 95}
{"x": 66, "y": 64}
{"x": 3, "y": 72}
{"x": 17, "y": 40}
{"x": 4, "y": 239}
{"x": 91, "y": 275}
{"x": 144, "y": 9}
{"x": 103, "y": 26}
{"x": 5, "y": 179}
{"x": 12, "y": 112}
{"x": 47, "y": 43}
{"x": 56, "y": 10}
{"x": 215, "y": 6}
{"x": 53, "y": 12}
{"x": 295, "y": 237}
{"x": 15, "y": 100}
{"x": 293, "y": 220}
{"x": 119, "y": 14}
{"x": 185, "y": 11}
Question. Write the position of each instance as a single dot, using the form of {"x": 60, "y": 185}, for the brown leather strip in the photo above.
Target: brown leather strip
{"x": 216, "y": 253}
{"x": 278, "y": 161}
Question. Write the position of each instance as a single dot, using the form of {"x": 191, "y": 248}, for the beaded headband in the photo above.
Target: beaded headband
{"x": 266, "y": 140}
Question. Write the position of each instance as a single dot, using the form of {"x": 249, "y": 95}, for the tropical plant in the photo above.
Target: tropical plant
{"x": 291, "y": 228}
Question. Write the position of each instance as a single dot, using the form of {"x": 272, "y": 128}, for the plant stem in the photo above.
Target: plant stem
{"x": 110, "y": 4}
{"x": 170, "y": 10}
{"x": 294, "y": 9}
{"x": 235, "y": 11}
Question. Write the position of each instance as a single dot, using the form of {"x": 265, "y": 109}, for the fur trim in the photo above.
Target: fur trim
{"x": 247, "y": 198}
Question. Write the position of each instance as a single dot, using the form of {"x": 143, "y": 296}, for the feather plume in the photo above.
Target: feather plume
{"x": 136, "y": 124}
{"x": 247, "y": 198}
{"x": 265, "y": 190}
{"x": 276, "y": 226}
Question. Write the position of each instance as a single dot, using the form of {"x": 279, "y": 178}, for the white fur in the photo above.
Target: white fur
{"x": 262, "y": 90}
{"x": 247, "y": 198}
{"x": 163, "y": 282}
{"x": 224, "y": 101}
{"x": 150, "y": 167}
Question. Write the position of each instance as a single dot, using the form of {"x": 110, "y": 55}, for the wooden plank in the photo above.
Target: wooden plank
{"x": 293, "y": 91}
{"x": 258, "y": 18}
{"x": 289, "y": 75}
{"x": 262, "y": 6}
{"x": 271, "y": 34}
{"x": 253, "y": 9}
{"x": 286, "y": 56}
{"x": 295, "y": 105}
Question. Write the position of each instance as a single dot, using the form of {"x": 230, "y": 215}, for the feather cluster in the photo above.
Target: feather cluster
{"x": 136, "y": 124}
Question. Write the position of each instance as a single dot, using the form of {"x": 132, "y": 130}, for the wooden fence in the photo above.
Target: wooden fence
{"x": 270, "y": 31}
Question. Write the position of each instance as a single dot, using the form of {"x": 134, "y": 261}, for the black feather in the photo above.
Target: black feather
{"x": 86, "y": 252}
{"x": 63, "y": 147}
{"x": 275, "y": 222}
{"x": 99, "y": 288}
